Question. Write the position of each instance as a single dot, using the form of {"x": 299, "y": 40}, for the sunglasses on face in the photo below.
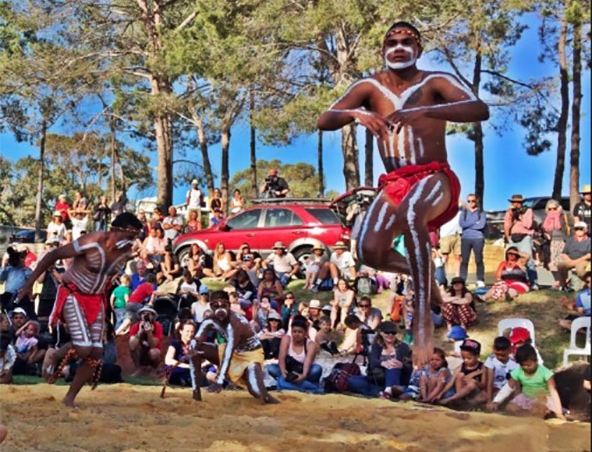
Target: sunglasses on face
{"x": 364, "y": 306}
{"x": 289, "y": 298}
{"x": 389, "y": 333}
{"x": 471, "y": 200}
{"x": 552, "y": 208}
{"x": 580, "y": 229}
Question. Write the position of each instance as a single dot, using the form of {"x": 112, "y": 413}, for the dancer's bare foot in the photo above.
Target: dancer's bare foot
{"x": 69, "y": 402}
{"x": 423, "y": 344}
{"x": 269, "y": 399}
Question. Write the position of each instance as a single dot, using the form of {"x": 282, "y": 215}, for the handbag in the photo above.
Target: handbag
{"x": 292, "y": 365}
{"x": 517, "y": 238}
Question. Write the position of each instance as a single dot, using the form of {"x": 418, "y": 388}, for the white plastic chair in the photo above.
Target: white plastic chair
{"x": 505, "y": 324}
{"x": 577, "y": 324}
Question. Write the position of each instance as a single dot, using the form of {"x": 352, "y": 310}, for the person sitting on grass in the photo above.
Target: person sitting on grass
{"x": 175, "y": 360}
{"x": 582, "y": 305}
{"x": 325, "y": 337}
{"x": 511, "y": 277}
{"x": 271, "y": 335}
{"x": 342, "y": 303}
{"x": 144, "y": 342}
{"x": 7, "y": 358}
{"x": 458, "y": 306}
{"x": 468, "y": 379}
{"x": 27, "y": 351}
{"x": 358, "y": 337}
{"x": 533, "y": 385}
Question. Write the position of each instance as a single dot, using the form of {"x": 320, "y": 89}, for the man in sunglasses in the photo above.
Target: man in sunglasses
{"x": 576, "y": 255}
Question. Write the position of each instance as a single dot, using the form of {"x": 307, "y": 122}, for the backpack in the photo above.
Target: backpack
{"x": 336, "y": 381}
{"x": 366, "y": 286}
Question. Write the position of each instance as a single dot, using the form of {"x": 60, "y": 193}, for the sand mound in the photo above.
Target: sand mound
{"x": 133, "y": 419}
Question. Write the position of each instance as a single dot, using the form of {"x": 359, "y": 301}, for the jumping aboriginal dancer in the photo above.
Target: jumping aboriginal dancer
{"x": 406, "y": 109}
{"x": 80, "y": 302}
{"x": 241, "y": 357}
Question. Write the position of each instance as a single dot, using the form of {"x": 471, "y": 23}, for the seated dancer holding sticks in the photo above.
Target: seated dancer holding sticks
{"x": 96, "y": 258}
{"x": 406, "y": 109}
{"x": 240, "y": 358}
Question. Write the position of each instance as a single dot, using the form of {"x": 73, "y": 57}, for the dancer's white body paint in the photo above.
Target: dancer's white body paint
{"x": 252, "y": 378}
{"x": 396, "y": 65}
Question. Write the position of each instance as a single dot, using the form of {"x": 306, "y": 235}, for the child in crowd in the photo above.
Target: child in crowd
{"x": 530, "y": 381}
{"x": 313, "y": 265}
{"x": 271, "y": 335}
{"x": 235, "y": 305}
{"x": 120, "y": 297}
{"x": 7, "y": 358}
{"x": 325, "y": 337}
{"x": 289, "y": 309}
{"x": 498, "y": 367}
{"x": 27, "y": 352}
{"x": 520, "y": 336}
{"x": 457, "y": 335}
{"x": 408, "y": 316}
{"x": 469, "y": 378}
{"x": 439, "y": 272}
{"x": 143, "y": 294}
{"x": 358, "y": 336}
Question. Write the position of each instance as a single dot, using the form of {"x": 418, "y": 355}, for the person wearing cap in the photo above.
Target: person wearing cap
{"x": 582, "y": 211}
{"x": 194, "y": 199}
{"x": 101, "y": 213}
{"x": 216, "y": 204}
{"x": 96, "y": 258}
{"x": 389, "y": 364}
{"x": 63, "y": 208}
{"x": 520, "y": 336}
{"x": 518, "y": 231}
{"x": 457, "y": 308}
{"x": 199, "y": 307}
{"x": 457, "y": 334}
{"x": 274, "y": 185}
{"x": 14, "y": 274}
{"x": 18, "y": 317}
{"x": 313, "y": 265}
{"x": 271, "y": 335}
{"x": 341, "y": 264}
{"x": 282, "y": 262}
{"x": 144, "y": 342}
{"x": 420, "y": 192}
{"x": 56, "y": 227}
{"x": 576, "y": 255}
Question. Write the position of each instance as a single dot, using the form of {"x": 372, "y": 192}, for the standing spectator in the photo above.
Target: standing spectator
{"x": 145, "y": 225}
{"x": 119, "y": 204}
{"x": 56, "y": 227}
{"x": 583, "y": 210}
{"x": 215, "y": 203}
{"x": 119, "y": 298}
{"x": 194, "y": 200}
{"x": 193, "y": 221}
{"x": 576, "y": 254}
{"x": 283, "y": 263}
{"x": 145, "y": 337}
{"x": 518, "y": 231}
{"x": 50, "y": 280}
{"x": 274, "y": 185}
{"x": 237, "y": 203}
{"x": 101, "y": 214}
{"x": 79, "y": 220}
{"x": 555, "y": 230}
{"x": 217, "y": 217}
{"x": 63, "y": 208}
{"x": 80, "y": 202}
{"x": 157, "y": 218}
{"x": 450, "y": 245}
{"x": 13, "y": 274}
{"x": 172, "y": 225}
{"x": 473, "y": 223}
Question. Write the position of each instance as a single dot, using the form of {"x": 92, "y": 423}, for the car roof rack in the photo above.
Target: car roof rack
{"x": 279, "y": 201}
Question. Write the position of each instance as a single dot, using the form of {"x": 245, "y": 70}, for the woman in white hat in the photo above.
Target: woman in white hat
{"x": 56, "y": 227}
{"x": 313, "y": 265}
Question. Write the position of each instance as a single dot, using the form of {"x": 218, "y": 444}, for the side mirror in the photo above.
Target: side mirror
{"x": 224, "y": 227}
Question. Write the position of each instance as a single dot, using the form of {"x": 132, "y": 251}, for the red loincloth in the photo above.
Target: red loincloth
{"x": 91, "y": 304}
{"x": 398, "y": 183}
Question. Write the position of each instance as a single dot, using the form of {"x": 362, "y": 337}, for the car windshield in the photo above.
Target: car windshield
{"x": 325, "y": 216}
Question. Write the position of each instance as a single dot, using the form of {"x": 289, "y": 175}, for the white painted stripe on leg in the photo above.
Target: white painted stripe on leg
{"x": 252, "y": 377}
{"x": 364, "y": 228}
{"x": 435, "y": 190}
{"x": 381, "y": 216}
{"x": 390, "y": 222}
{"x": 438, "y": 199}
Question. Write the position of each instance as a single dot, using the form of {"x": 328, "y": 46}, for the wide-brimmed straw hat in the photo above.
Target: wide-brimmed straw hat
{"x": 516, "y": 198}
{"x": 279, "y": 246}
{"x": 340, "y": 245}
{"x": 586, "y": 189}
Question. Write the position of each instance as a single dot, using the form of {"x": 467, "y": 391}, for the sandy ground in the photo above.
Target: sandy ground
{"x": 134, "y": 419}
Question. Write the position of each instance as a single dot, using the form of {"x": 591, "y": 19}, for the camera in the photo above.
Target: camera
{"x": 146, "y": 318}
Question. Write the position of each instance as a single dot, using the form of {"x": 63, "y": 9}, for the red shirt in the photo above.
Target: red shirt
{"x": 142, "y": 292}
{"x": 63, "y": 207}
{"x": 156, "y": 333}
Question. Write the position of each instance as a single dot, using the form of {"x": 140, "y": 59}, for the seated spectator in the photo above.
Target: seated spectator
{"x": 271, "y": 335}
{"x": 296, "y": 369}
{"x": 101, "y": 214}
{"x": 244, "y": 289}
{"x": 157, "y": 219}
{"x": 216, "y": 204}
{"x": 357, "y": 338}
{"x": 341, "y": 265}
{"x": 582, "y": 305}
{"x": 519, "y": 337}
{"x": 28, "y": 354}
{"x": 199, "y": 308}
{"x": 139, "y": 297}
{"x": 289, "y": 309}
{"x": 342, "y": 303}
{"x": 457, "y": 307}
{"x": 325, "y": 337}
{"x": 120, "y": 297}
{"x": 283, "y": 263}
{"x": 138, "y": 275}
{"x": 18, "y": 318}
{"x": 457, "y": 336}
{"x": 313, "y": 265}
{"x": 153, "y": 248}
{"x": 511, "y": 279}
{"x": 271, "y": 287}
{"x": 199, "y": 263}
{"x": 223, "y": 260}
{"x": 144, "y": 342}
{"x": 169, "y": 266}
{"x": 188, "y": 290}
{"x": 469, "y": 379}
{"x": 576, "y": 254}
{"x": 533, "y": 387}
{"x": 13, "y": 274}
{"x": 313, "y": 315}
{"x": 389, "y": 364}
{"x": 498, "y": 367}
{"x": 367, "y": 314}
{"x": 193, "y": 223}
{"x": 175, "y": 360}
{"x": 244, "y": 254}
{"x": 259, "y": 313}
{"x": 7, "y": 358}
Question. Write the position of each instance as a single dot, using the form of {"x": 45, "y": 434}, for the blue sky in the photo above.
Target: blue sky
{"x": 508, "y": 169}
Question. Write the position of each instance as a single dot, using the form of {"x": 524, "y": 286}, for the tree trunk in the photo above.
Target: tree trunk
{"x": 564, "y": 113}
{"x": 253, "y": 149}
{"x": 39, "y": 199}
{"x": 349, "y": 147}
{"x": 320, "y": 164}
{"x": 164, "y": 144}
{"x": 478, "y": 128}
{"x": 574, "y": 176}
{"x": 369, "y": 159}
{"x": 225, "y": 142}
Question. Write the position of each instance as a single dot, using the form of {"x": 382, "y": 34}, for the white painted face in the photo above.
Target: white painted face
{"x": 396, "y": 65}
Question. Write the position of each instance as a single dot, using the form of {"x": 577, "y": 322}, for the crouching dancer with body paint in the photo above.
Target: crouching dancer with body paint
{"x": 240, "y": 357}
{"x": 406, "y": 109}
{"x": 80, "y": 302}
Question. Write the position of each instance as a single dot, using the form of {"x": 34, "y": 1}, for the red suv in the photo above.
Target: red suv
{"x": 299, "y": 225}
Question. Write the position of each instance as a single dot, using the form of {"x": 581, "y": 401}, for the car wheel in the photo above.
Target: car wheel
{"x": 301, "y": 254}
{"x": 183, "y": 256}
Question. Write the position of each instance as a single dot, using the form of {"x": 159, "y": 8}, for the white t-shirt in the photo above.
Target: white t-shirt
{"x": 452, "y": 227}
{"x": 343, "y": 262}
{"x": 199, "y": 310}
{"x": 172, "y": 233}
{"x": 78, "y": 226}
{"x": 500, "y": 370}
{"x": 59, "y": 229}
{"x": 189, "y": 287}
{"x": 283, "y": 263}
{"x": 194, "y": 195}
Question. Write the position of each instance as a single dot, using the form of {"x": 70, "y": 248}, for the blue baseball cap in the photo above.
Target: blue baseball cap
{"x": 203, "y": 290}
{"x": 457, "y": 333}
